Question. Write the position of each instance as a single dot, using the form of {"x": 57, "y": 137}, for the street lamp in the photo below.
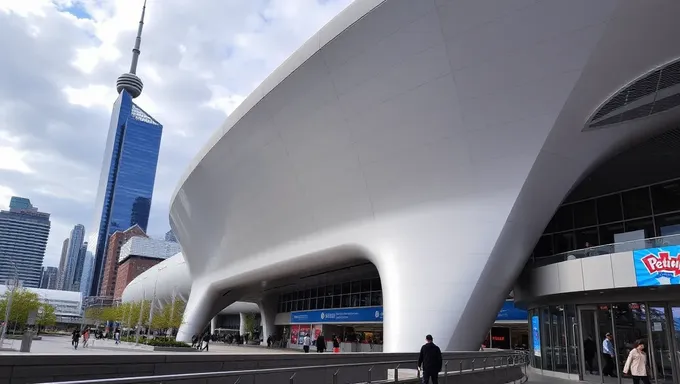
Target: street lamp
{"x": 13, "y": 284}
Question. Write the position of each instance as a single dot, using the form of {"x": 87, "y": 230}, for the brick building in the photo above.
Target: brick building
{"x": 138, "y": 255}
{"x": 132, "y": 267}
{"x": 116, "y": 241}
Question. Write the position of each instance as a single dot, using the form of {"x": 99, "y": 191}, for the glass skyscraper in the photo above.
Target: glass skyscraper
{"x": 129, "y": 167}
{"x": 23, "y": 239}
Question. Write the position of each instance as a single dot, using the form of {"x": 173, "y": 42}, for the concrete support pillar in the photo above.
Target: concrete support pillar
{"x": 242, "y": 323}
{"x": 268, "y": 317}
{"x": 213, "y": 324}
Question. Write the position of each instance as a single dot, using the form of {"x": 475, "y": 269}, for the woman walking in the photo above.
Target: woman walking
{"x": 636, "y": 363}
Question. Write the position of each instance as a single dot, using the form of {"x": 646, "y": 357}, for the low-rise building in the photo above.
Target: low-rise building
{"x": 138, "y": 255}
{"x": 67, "y": 304}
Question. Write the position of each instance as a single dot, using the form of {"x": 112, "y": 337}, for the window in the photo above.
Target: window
{"x": 544, "y": 247}
{"x": 587, "y": 237}
{"x": 646, "y": 225}
{"x": 564, "y": 218}
{"x": 585, "y": 214}
{"x": 608, "y": 231}
{"x": 667, "y": 225}
{"x": 564, "y": 242}
{"x": 609, "y": 209}
{"x": 666, "y": 197}
{"x": 636, "y": 203}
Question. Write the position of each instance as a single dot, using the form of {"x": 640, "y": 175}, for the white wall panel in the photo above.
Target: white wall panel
{"x": 433, "y": 138}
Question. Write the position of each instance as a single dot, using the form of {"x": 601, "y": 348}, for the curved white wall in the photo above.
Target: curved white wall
{"x": 434, "y": 138}
{"x": 170, "y": 278}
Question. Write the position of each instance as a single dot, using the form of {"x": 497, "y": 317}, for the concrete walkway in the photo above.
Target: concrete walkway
{"x": 61, "y": 345}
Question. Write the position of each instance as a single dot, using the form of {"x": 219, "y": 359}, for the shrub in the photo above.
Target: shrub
{"x": 166, "y": 342}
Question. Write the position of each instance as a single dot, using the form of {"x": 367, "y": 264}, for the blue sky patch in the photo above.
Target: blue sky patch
{"x": 76, "y": 9}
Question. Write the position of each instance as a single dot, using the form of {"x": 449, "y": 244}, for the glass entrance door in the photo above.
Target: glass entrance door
{"x": 588, "y": 335}
{"x": 674, "y": 320}
{"x": 659, "y": 344}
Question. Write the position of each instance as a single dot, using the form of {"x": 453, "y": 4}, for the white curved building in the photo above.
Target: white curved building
{"x": 433, "y": 139}
{"x": 170, "y": 279}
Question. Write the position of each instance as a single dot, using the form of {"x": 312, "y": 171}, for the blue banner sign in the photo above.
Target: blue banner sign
{"x": 657, "y": 266}
{"x": 510, "y": 312}
{"x": 340, "y": 315}
{"x": 375, "y": 315}
{"x": 536, "y": 336}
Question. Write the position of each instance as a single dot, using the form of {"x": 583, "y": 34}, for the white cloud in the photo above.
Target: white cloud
{"x": 200, "y": 59}
{"x": 92, "y": 95}
{"x": 12, "y": 159}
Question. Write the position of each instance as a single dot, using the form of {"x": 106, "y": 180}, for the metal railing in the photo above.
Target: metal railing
{"x": 624, "y": 246}
{"x": 465, "y": 365}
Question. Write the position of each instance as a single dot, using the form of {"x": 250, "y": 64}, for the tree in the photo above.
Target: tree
{"x": 249, "y": 323}
{"x": 23, "y": 303}
{"x": 46, "y": 317}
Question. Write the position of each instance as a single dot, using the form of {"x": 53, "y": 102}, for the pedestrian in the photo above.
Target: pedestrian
{"x": 75, "y": 338}
{"x": 206, "y": 340}
{"x": 86, "y": 337}
{"x": 194, "y": 341}
{"x": 116, "y": 336}
{"x": 306, "y": 343}
{"x": 636, "y": 363}
{"x": 608, "y": 355}
{"x": 589, "y": 352}
{"x": 430, "y": 361}
{"x": 336, "y": 344}
{"x": 320, "y": 344}
{"x": 269, "y": 341}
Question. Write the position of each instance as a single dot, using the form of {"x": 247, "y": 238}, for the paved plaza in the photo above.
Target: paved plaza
{"x": 61, "y": 345}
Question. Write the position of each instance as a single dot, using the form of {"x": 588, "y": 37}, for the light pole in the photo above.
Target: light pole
{"x": 13, "y": 284}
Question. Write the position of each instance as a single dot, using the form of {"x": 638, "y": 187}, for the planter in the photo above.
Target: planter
{"x": 20, "y": 337}
{"x": 175, "y": 349}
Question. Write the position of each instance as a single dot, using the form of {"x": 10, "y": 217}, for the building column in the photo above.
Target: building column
{"x": 268, "y": 317}
{"x": 242, "y": 323}
{"x": 213, "y": 325}
{"x": 198, "y": 312}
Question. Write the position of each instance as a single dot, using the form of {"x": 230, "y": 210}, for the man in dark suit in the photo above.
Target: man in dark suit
{"x": 430, "y": 361}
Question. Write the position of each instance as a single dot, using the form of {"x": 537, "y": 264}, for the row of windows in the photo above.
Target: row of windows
{"x": 637, "y": 203}
{"x": 357, "y": 286}
{"x": 358, "y": 293}
{"x": 366, "y": 299}
{"x": 654, "y": 226}
{"x": 654, "y": 209}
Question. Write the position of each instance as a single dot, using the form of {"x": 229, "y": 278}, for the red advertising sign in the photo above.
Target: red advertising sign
{"x": 294, "y": 331}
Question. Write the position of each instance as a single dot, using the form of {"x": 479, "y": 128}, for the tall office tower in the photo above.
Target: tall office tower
{"x": 170, "y": 236}
{"x": 62, "y": 264}
{"x": 49, "y": 278}
{"x": 86, "y": 276}
{"x": 129, "y": 166}
{"x": 23, "y": 238}
{"x": 78, "y": 274}
{"x": 75, "y": 242}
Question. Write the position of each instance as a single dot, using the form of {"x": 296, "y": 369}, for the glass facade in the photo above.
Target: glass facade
{"x": 127, "y": 177}
{"x": 571, "y": 337}
{"x": 640, "y": 213}
{"x": 358, "y": 293}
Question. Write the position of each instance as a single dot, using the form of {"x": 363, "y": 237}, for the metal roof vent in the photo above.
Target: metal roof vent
{"x": 655, "y": 92}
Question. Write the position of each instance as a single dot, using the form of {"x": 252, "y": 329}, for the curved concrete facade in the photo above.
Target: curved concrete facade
{"x": 170, "y": 278}
{"x": 596, "y": 273}
{"x": 433, "y": 138}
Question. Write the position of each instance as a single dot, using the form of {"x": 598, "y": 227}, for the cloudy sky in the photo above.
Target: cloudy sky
{"x": 59, "y": 60}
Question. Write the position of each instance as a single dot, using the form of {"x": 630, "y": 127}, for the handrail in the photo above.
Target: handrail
{"x": 630, "y": 245}
{"x": 514, "y": 358}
